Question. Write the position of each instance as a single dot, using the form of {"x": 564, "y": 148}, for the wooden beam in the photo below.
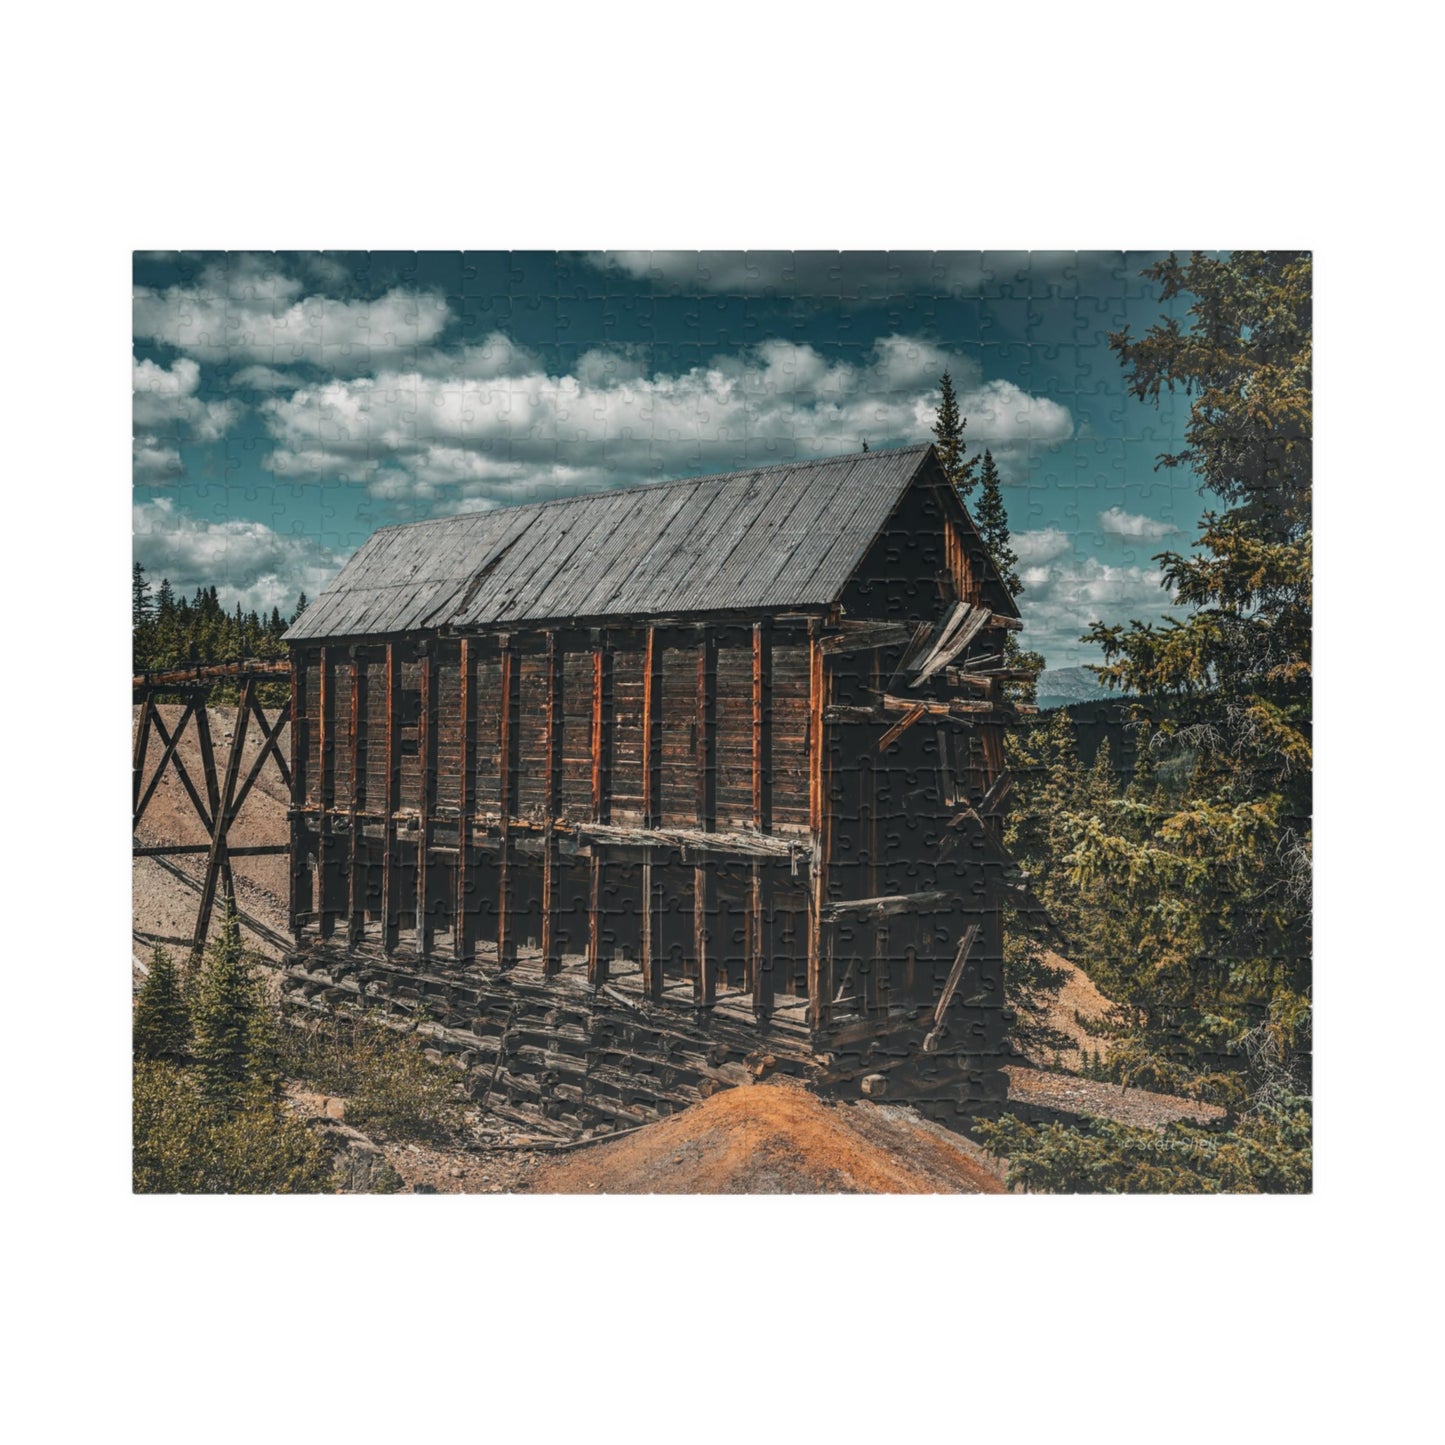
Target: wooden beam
{"x": 760, "y": 938}
{"x": 601, "y": 751}
{"x": 888, "y": 906}
{"x": 865, "y": 636}
{"x": 326, "y": 760}
{"x": 704, "y": 878}
{"x": 686, "y": 841}
{"x": 820, "y": 972}
{"x": 704, "y": 933}
{"x": 651, "y": 923}
{"x": 551, "y": 953}
{"x": 950, "y": 987}
{"x": 762, "y": 727}
{"x": 389, "y": 915}
{"x": 170, "y": 744}
{"x": 652, "y": 732}
{"x": 138, "y": 755}
{"x": 426, "y": 757}
{"x": 900, "y": 727}
{"x": 462, "y": 938}
{"x": 298, "y": 791}
{"x": 356, "y": 885}
{"x": 222, "y": 814}
{"x": 506, "y": 800}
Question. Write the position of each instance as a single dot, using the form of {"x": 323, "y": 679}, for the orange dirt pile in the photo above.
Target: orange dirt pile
{"x": 776, "y": 1138}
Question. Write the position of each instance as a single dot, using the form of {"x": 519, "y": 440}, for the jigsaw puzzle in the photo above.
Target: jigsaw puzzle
{"x": 722, "y": 721}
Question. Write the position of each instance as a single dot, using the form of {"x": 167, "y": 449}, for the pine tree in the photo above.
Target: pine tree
{"x": 1208, "y": 865}
{"x": 948, "y": 429}
{"x": 992, "y": 521}
{"x": 162, "y": 1026}
{"x": 228, "y": 1018}
{"x": 865, "y": 444}
{"x": 301, "y": 606}
{"x": 141, "y": 606}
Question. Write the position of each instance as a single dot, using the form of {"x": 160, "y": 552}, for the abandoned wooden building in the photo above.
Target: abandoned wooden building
{"x": 631, "y": 791}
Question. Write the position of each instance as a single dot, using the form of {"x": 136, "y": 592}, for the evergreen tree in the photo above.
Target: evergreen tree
{"x": 228, "y": 1016}
{"x": 301, "y": 606}
{"x": 141, "y": 606}
{"x": 865, "y": 444}
{"x": 992, "y": 521}
{"x": 161, "y": 1027}
{"x": 1207, "y": 860}
{"x": 948, "y": 431}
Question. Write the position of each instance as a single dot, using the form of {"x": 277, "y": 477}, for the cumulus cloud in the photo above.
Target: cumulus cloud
{"x": 1119, "y": 523}
{"x": 1063, "y": 596}
{"x": 266, "y": 378}
{"x": 247, "y": 309}
{"x": 247, "y": 562}
{"x": 503, "y": 427}
{"x": 164, "y": 407}
{"x": 1044, "y": 545}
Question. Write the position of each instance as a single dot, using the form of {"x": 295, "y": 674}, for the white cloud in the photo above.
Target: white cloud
{"x": 498, "y": 425}
{"x": 1062, "y": 598}
{"x": 164, "y": 406}
{"x": 246, "y": 562}
{"x": 1119, "y": 523}
{"x": 1035, "y": 548}
{"x": 266, "y": 378}
{"x": 245, "y": 309}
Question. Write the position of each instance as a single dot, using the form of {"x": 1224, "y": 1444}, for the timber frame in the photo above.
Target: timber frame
{"x": 225, "y": 796}
{"x": 589, "y": 852}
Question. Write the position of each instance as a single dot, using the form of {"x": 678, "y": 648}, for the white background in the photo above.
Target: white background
{"x": 450, "y": 127}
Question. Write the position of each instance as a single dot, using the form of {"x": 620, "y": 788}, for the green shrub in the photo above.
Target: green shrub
{"x": 1267, "y": 1152}
{"x": 390, "y": 1086}
{"x": 184, "y": 1144}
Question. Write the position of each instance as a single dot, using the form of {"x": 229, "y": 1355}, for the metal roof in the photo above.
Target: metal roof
{"x": 766, "y": 538}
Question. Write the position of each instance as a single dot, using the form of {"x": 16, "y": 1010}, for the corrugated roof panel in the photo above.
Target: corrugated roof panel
{"x": 778, "y": 536}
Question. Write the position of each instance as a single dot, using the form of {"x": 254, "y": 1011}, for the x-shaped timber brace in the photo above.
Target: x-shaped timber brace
{"x": 222, "y": 800}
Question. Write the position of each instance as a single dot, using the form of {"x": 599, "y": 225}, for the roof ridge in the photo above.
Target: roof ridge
{"x": 659, "y": 486}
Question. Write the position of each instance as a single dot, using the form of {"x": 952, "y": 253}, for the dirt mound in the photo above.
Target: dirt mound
{"x": 776, "y": 1138}
{"x": 1076, "y": 1000}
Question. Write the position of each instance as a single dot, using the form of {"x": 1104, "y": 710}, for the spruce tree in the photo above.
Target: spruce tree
{"x": 161, "y": 1027}
{"x": 992, "y": 520}
{"x": 948, "y": 431}
{"x": 141, "y": 606}
{"x": 301, "y": 606}
{"x": 228, "y": 1018}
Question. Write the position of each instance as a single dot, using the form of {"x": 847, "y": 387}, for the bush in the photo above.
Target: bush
{"x": 390, "y": 1085}
{"x": 184, "y": 1144}
{"x": 1267, "y": 1152}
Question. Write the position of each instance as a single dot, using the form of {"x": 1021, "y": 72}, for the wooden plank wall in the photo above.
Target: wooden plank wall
{"x": 459, "y": 807}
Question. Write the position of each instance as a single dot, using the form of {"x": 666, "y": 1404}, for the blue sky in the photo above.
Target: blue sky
{"x": 288, "y": 404}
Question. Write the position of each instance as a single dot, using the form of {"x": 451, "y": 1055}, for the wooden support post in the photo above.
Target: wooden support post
{"x": 326, "y": 755}
{"x": 601, "y": 750}
{"x": 651, "y": 922}
{"x": 221, "y": 815}
{"x": 171, "y": 742}
{"x": 551, "y": 953}
{"x": 213, "y": 794}
{"x": 760, "y": 938}
{"x": 356, "y": 882}
{"x": 461, "y": 930}
{"x": 820, "y": 948}
{"x": 298, "y": 791}
{"x": 389, "y": 914}
{"x": 760, "y": 902}
{"x": 651, "y": 950}
{"x": 426, "y": 757}
{"x": 507, "y": 802}
{"x": 704, "y": 892}
{"x": 138, "y": 756}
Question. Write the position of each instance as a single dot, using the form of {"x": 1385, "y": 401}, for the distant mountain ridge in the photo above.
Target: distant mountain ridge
{"x": 1059, "y": 686}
